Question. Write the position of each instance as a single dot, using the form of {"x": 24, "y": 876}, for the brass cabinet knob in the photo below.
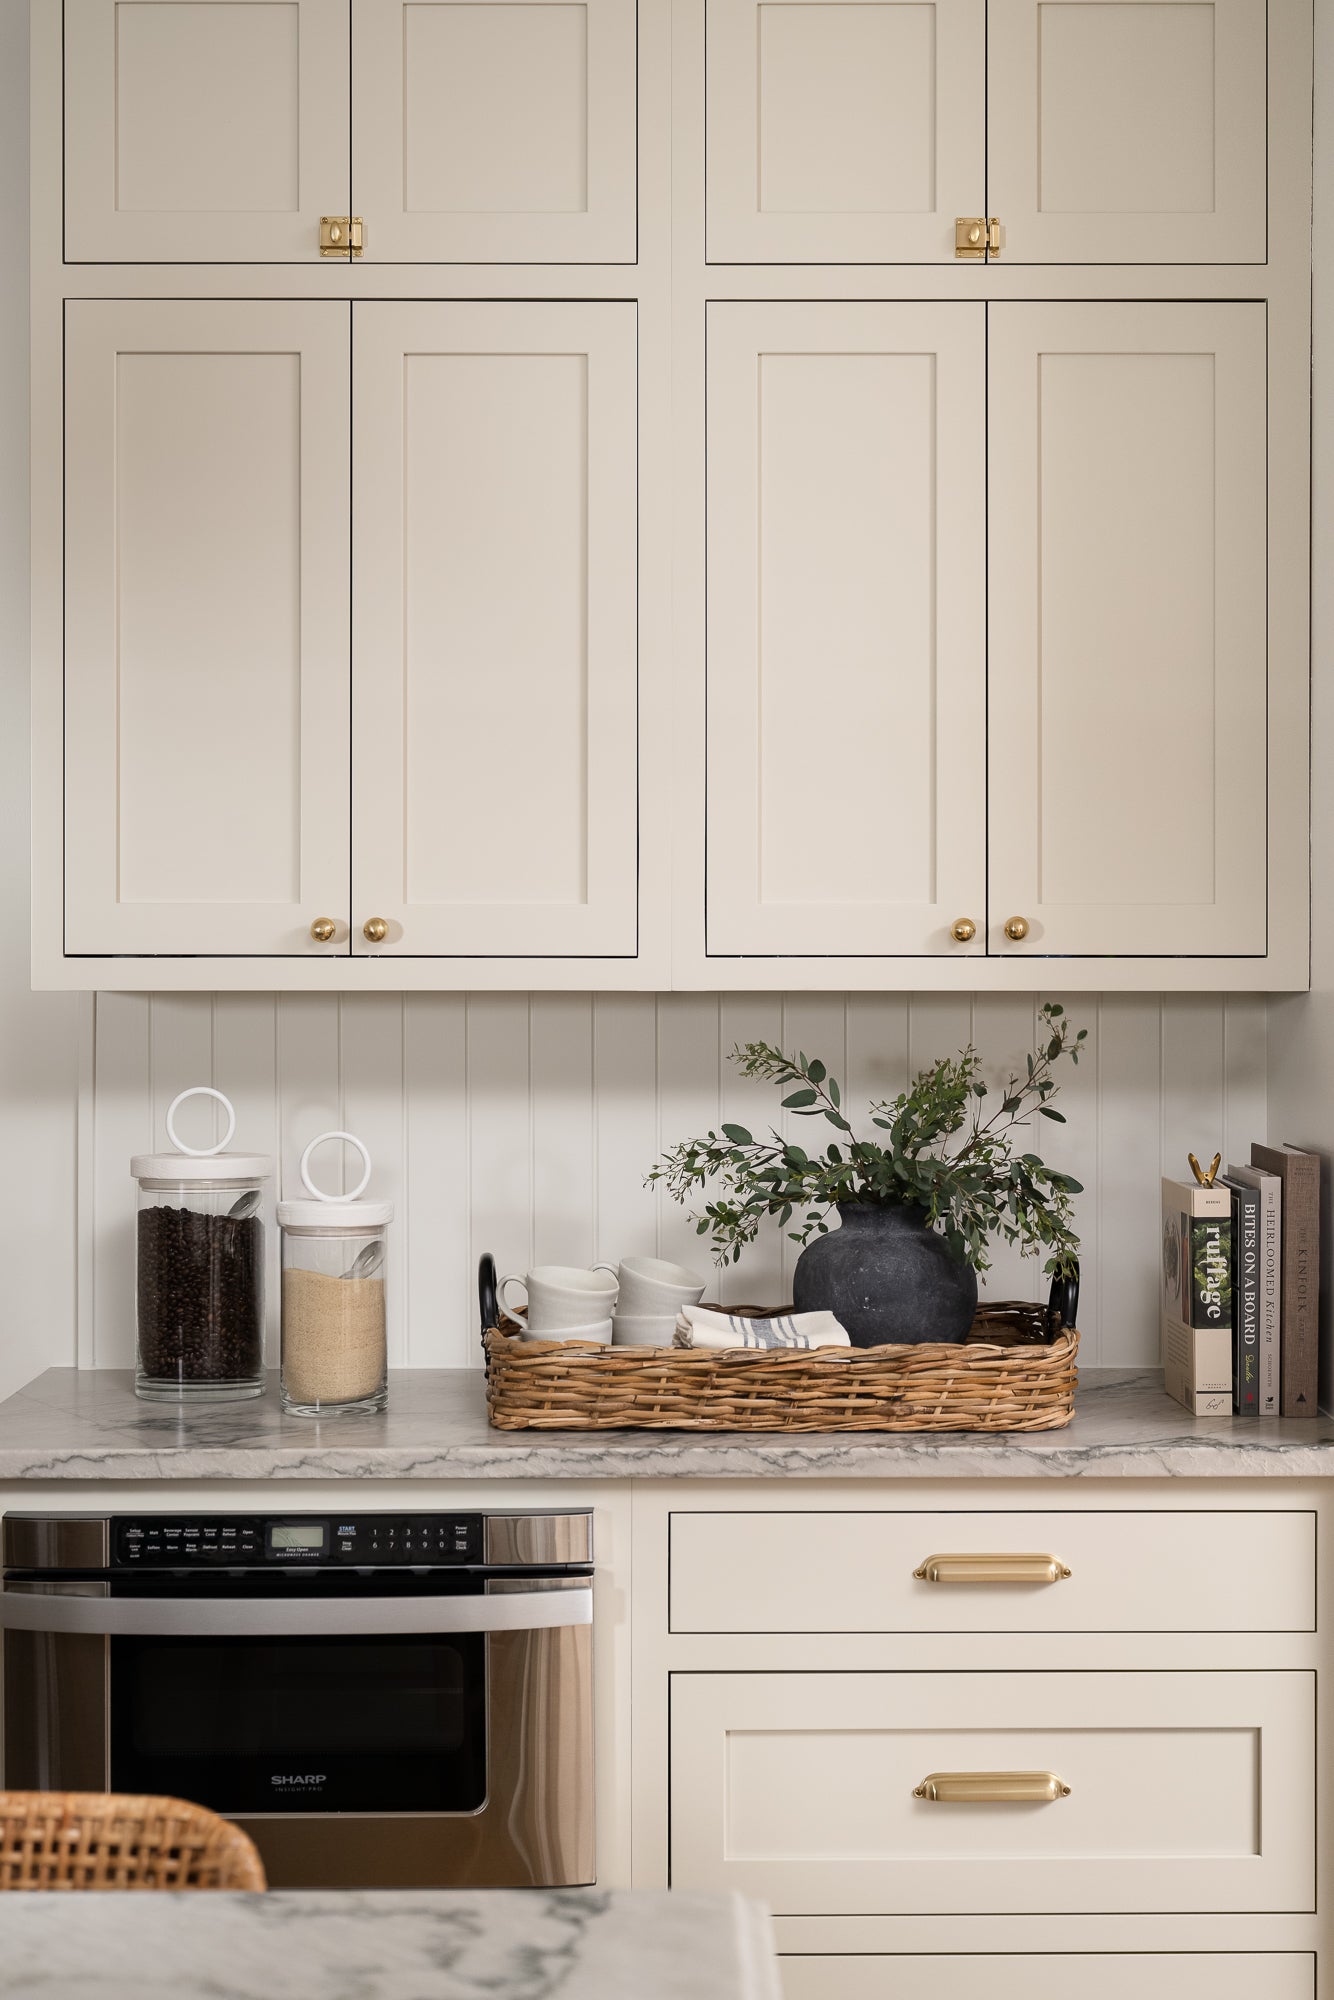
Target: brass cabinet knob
{"x": 1016, "y": 928}
{"x": 963, "y": 931}
{"x": 375, "y": 930}
{"x": 323, "y": 929}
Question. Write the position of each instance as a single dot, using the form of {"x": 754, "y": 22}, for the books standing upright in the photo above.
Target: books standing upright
{"x": 1197, "y": 1297}
{"x": 1299, "y": 1172}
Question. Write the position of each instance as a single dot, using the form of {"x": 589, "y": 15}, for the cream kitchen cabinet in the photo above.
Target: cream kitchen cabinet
{"x": 1127, "y": 624}
{"x": 222, "y": 131}
{"x": 805, "y": 1789}
{"x": 223, "y": 700}
{"x": 1151, "y": 1975}
{"x": 495, "y": 752}
{"x": 846, "y": 579}
{"x": 203, "y": 131}
{"x": 1094, "y": 134}
{"x": 1108, "y": 502}
{"x": 206, "y": 680}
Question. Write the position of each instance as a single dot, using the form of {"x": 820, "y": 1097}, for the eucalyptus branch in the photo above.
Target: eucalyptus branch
{"x": 977, "y": 1191}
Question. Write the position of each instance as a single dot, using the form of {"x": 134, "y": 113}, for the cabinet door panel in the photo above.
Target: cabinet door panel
{"x": 494, "y": 767}
{"x": 495, "y": 131}
{"x": 1187, "y": 1791}
{"x": 837, "y": 133}
{"x": 203, "y": 131}
{"x": 1128, "y": 628}
{"x": 1150, "y": 1975}
{"x": 1127, "y": 131}
{"x": 206, "y": 640}
{"x": 846, "y": 692}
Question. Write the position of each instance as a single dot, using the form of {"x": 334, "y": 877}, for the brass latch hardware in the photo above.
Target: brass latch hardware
{"x": 976, "y": 235}
{"x": 341, "y": 235}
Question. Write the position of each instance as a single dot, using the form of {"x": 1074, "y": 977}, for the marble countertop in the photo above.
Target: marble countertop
{"x": 566, "y": 1944}
{"x": 88, "y": 1424}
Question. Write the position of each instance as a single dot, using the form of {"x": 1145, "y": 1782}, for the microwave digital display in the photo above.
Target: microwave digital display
{"x": 303, "y": 1535}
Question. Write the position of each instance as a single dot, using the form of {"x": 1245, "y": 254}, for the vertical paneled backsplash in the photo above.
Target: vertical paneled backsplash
{"x": 525, "y": 1125}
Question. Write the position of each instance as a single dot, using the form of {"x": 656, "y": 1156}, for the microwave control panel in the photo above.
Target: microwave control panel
{"x": 183, "y": 1541}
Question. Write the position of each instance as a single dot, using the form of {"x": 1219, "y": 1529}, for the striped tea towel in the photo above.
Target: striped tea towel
{"x": 701, "y": 1326}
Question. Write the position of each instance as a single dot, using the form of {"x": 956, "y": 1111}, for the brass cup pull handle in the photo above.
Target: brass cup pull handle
{"x": 1016, "y": 929}
{"x": 375, "y": 930}
{"x": 963, "y": 931}
{"x": 992, "y": 1788}
{"x": 323, "y": 930}
{"x": 992, "y": 1569}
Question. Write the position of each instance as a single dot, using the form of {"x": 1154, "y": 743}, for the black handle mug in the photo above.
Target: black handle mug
{"x": 1063, "y": 1304}
{"x": 487, "y": 1296}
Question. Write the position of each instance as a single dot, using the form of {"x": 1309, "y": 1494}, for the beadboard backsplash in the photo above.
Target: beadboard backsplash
{"x": 525, "y": 1125}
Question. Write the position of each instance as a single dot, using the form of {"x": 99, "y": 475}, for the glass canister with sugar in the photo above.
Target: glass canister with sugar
{"x": 334, "y": 1349}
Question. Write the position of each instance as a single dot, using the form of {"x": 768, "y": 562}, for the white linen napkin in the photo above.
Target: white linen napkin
{"x": 702, "y": 1326}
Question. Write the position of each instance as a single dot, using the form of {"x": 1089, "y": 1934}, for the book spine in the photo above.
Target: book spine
{"x": 1270, "y": 1295}
{"x": 1301, "y": 1287}
{"x": 1246, "y": 1301}
{"x": 1210, "y": 1243}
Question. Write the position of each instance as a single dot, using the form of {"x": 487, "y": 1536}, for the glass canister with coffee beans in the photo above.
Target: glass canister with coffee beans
{"x": 199, "y": 1283}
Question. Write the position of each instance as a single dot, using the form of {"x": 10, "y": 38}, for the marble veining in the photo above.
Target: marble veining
{"x": 88, "y": 1424}
{"x": 566, "y": 1944}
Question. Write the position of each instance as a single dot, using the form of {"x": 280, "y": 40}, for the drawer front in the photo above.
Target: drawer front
{"x": 1150, "y": 1975}
{"x": 1186, "y": 1791}
{"x": 1128, "y": 1572}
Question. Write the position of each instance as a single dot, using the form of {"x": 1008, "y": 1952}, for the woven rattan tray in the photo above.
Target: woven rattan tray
{"x": 1011, "y": 1374}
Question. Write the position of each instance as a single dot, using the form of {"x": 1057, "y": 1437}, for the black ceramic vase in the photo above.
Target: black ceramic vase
{"x": 886, "y": 1276}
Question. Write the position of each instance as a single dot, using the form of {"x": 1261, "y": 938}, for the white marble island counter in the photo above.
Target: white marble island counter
{"x": 578, "y": 1944}
{"x": 88, "y": 1425}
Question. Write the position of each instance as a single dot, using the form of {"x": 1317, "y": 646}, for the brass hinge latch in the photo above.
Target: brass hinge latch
{"x": 342, "y": 235}
{"x": 977, "y": 235}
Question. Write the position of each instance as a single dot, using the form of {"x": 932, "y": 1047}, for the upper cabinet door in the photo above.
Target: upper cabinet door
{"x": 203, "y": 131}
{"x": 843, "y": 134}
{"x": 495, "y": 777}
{"x": 846, "y": 629}
{"x": 1127, "y": 131}
{"x": 206, "y": 626}
{"x": 1128, "y": 629}
{"x": 495, "y": 131}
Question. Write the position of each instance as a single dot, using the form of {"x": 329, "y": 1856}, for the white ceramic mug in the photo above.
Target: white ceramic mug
{"x": 561, "y": 1296}
{"x": 643, "y": 1329}
{"x": 650, "y": 1287}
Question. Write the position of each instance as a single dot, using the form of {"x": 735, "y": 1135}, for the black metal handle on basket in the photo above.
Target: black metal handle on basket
{"x": 487, "y": 1296}
{"x": 1063, "y": 1304}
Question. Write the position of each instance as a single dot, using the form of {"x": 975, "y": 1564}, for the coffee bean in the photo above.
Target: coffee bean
{"x": 200, "y": 1296}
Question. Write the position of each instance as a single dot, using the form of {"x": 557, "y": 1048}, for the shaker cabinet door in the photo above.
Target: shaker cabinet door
{"x": 1127, "y": 133}
{"x": 846, "y": 661}
{"x": 1127, "y": 611}
{"x": 497, "y": 132}
{"x": 843, "y": 134}
{"x": 206, "y": 626}
{"x": 495, "y": 777}
{"x": 204, "y": 131}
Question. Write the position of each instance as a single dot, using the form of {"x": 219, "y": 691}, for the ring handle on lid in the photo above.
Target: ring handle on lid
{"x": 200, "y": 1090}
{"x": 319, "y": 1193}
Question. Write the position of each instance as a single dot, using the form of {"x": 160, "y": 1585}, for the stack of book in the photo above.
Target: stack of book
{"x": 1241, "y": 1287}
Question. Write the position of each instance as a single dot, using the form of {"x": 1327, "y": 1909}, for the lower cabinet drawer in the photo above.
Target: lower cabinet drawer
{"x": 1172, "y": 1792}
{"x": 1156, "y": 1570}
{"x": 1149, "y": 1975}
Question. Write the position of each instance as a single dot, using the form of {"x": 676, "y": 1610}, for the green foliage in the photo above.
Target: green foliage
{"x": 942, "y": 1155}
